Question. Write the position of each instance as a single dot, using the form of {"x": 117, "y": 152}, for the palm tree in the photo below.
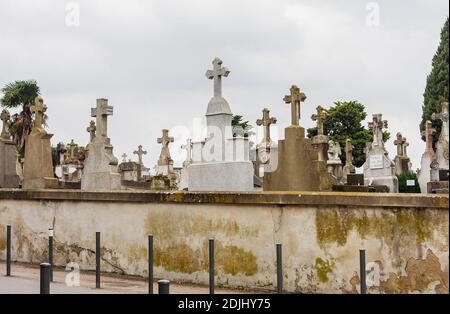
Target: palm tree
{"x": 16, "y": 94}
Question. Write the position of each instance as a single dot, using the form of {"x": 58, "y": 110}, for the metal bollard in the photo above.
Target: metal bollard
{"x": 211, "y": 266}
{"x": 163, "y": 286}
{"x": 8, "y": 250}
{"x": 45, "y": 278}
{"x": 97, "y": 260}
{"x": 150, "y": 264}
{"x": 279, "y": 269}
{"x": 362, "y": 271}
{"x": 50, "y": 252}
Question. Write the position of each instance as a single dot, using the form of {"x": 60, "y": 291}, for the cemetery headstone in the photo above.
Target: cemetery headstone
{"x": 8, "y": 156}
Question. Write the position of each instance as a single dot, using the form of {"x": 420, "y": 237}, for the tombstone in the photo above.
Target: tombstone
{"x": 401, "y": 161}
{"x": 334, "y": 163}
{"x": 184, "y": 173}
{"x": 266, "y": 151}
{"x": 442, "y": 146}
{"x": 100, "y": 167}
{"x": 379, "y": 169}
{"x": 320, "y": 141}
{"x": 141, "y": 167}
{"x": 349, "y": 168}
{"x": 298, "y": 166}
{"x": 165, "y": 177}
{"x": 38, "y": 170}
{"x": 8, "y": 156}
{"x": 73, "y": 163}
{"x": 221, "y": 161}
{"x": 428, "y": 157}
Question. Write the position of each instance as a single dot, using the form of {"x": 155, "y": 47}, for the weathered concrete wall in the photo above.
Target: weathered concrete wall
{"x": 406, "y": 237}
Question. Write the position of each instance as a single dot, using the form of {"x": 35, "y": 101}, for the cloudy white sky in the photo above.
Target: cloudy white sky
{"x": 149, "y": 59}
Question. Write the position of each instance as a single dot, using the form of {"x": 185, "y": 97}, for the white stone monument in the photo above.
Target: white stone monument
{"x": 221, "y": 162}
{"x": 379, "y": 169}
{"x": 428, "y": 158}
{"x": 184, "y": 173}
{"x": 101, "y": 167}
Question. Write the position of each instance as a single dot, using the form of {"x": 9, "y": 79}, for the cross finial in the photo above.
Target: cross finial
{"x": 71, "y": 147}
{"x": 124, "y": 157}
{"x": 5, "y": 116}
{"x": 295, "y": 99}
{"x": 140, "y": 152}
{"x": 91, "y": 129}
{"x": 38, "y": 109}
{"x": 405, "y": 145}
{"x": 377, "y": 126}
{"x": 399, "y": 142}
{"x": 188, "y": 148}
{"x": 216, "y": 75}
{"x": 428, "y": 133}
{"x": 319, "y": 117}
{"x": 101, "y": 112}
{"x": 266, "y": 121}
{"x": 165, "y": 140}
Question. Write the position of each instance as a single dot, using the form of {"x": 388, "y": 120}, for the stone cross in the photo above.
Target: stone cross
{"x": 428, "y": 133}
{"x": 91, "y": 129}
{"x": 444, "y": 117}
{"x": 71, "y": 147}
{"x": 5, "y": 116}
{"x": 140, "y": 152}
{"x": 295, "y": 99}
{"x": 39, "y": 109}
{"x": 101, "y": 112}
{"x": 405, "y": 145}
{"x": 266, "y": 121}
{"x": 320, "y": 117}
{"x": 216, "y": 75}
{"x": 377, "y": 126}
{"x": 400, "y": 142}
{"x": 349, "y": 152}
{"x": 124, "y": 157}
{"x": 165, "y": 140}
{"x": 188, "y": 148}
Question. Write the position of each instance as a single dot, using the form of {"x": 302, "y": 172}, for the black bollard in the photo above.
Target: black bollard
{"x": 97, "y": 260}
{"x": 211, "y": 266}
{"x": 50, "y": 252}
{"x": 150, "y": 264}
{"x": 45, "y": 278}
{"x": 279, "y": 269}
{"x": 362, "y": 271}
{"x": 8, "y": 250}
{"x": 163, "y": 286}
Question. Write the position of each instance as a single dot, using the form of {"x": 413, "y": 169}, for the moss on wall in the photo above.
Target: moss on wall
{"x": 323, "y": 268}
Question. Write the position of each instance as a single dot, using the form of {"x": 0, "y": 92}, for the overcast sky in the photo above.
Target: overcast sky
{"x": 149, "y": 59}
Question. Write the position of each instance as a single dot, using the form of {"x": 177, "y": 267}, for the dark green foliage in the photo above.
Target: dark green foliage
{"x": 403, "y": 188}
{"x": 240, "y": 127}
{"x": 436, "y": 90}
{"x": 345, "y": 121}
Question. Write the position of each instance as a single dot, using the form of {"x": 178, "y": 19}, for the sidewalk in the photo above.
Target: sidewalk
{"x": 25, "y": 280}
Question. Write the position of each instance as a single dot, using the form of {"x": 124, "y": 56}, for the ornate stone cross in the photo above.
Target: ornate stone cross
{"x": 444, "y": 117}
{"x": 140, "y": 152}
{"x": 91, "y": 129}
{"x": 405, "y": 146}
{"x": 266, "y": 121}
{"x": 124, "y": 157}
{"x": 319, "y": 117}
{"x": 295, "y": 99}
{"x": 377, "y": 126}
{"x": 349, "y": 152}
{"x": 400, "y": 142}
{"x": 165, "y": 140}
{"x": 71, "y": 149}
{"x": 101, "y": 112}
{"x": 39, "y": 109}
{"x": 428, "y": 133}
{"x": 188, "y": 148}
{"x": 5, "y": 117}
{"x": 216, "y": 75}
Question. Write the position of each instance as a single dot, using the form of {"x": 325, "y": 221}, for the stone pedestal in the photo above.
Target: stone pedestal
{"x": 8, "y": 161}
{"x": 425, "y": 172}
{"x": 298, "y": 166}
{"x": 335, "y": 169}
{"x": 38, "y": 165}
{"x": 402, "y": 165}
{"x": 100, "y": 168}
{"x": 321, "y": 143}
{"x": 380, "y": 170}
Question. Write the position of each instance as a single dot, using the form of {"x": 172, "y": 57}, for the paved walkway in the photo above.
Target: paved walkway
{"x": 25, "y": 280}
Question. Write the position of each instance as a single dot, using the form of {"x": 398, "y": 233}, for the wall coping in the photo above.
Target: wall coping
{"x": 439, "y": 201}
